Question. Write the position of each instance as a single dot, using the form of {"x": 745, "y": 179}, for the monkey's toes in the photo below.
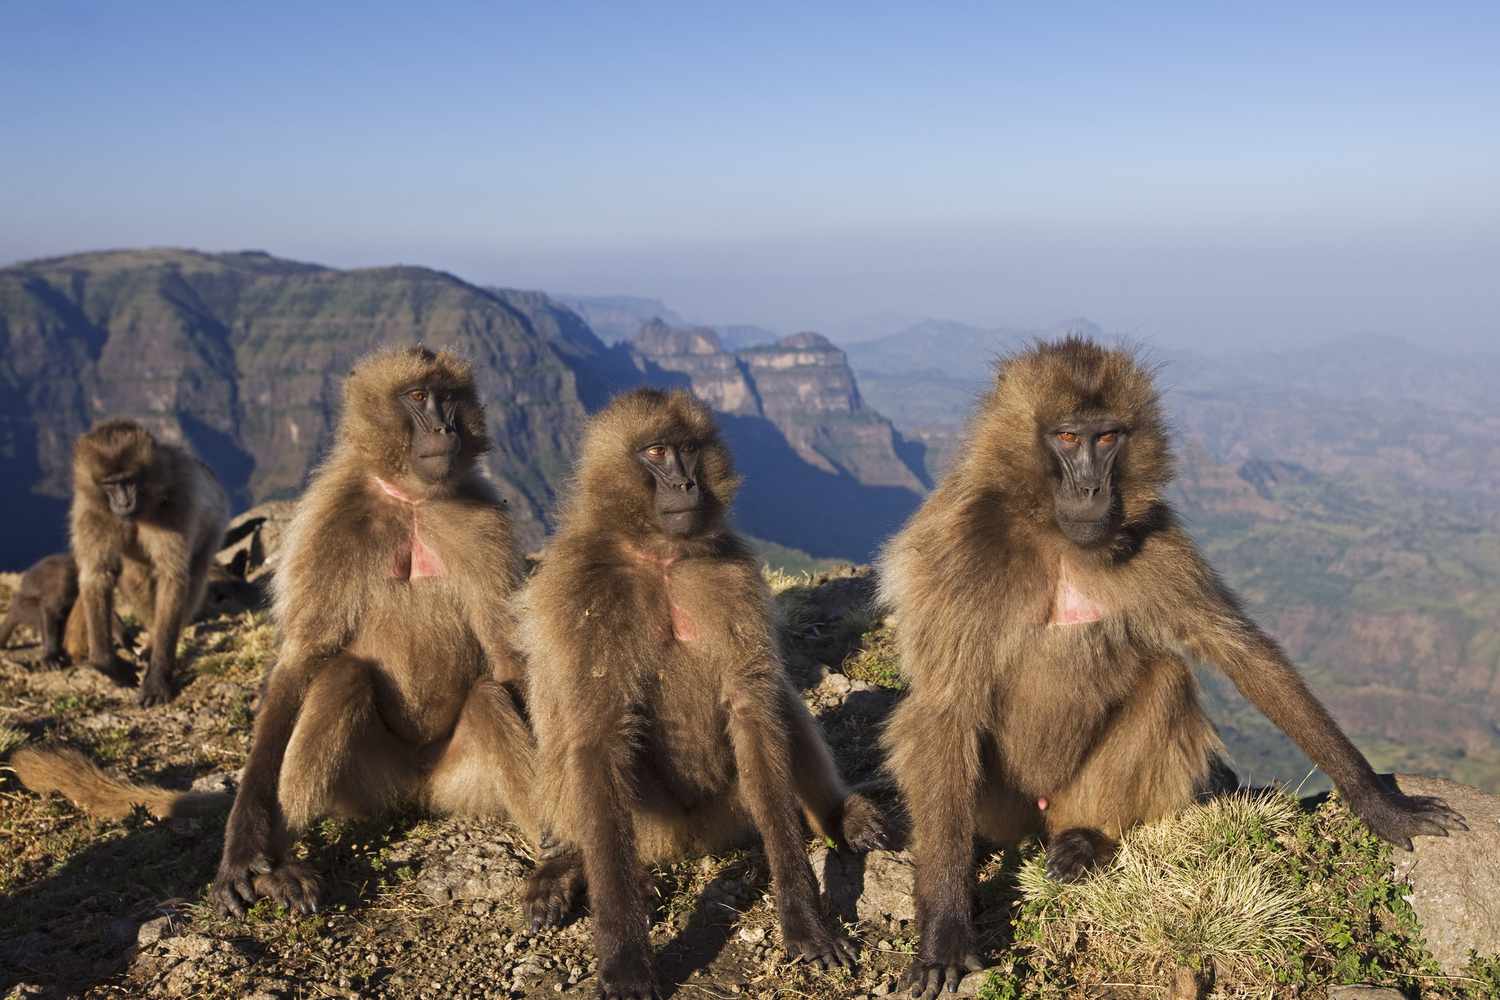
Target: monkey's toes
{"x": 927, "y": 979}
{"x": 863, "y": 827}
{"x": 292, "y": 885}
{"x": 827, "y": 951}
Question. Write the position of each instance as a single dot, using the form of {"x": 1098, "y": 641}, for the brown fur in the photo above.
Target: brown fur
{"x": 159, "y": 559}
{"x": 42, "y": 602}
{"x": 390, "y": 688}
{"x": 666, "y": 722}
{"x": 78, "y": 779}
{"x": 1009, "y": 706}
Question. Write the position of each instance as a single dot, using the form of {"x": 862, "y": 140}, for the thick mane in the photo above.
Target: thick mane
{"x": 1037, "y": 387}
{"x": 607, "y": 466}
{"x": 373, "y": 427}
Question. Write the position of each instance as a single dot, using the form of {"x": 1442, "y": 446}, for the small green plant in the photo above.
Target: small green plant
{"x": 877, "y": 660}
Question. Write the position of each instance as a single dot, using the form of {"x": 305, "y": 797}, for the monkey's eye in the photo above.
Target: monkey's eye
{"x": 656, "y": 452}
{"x": 1109, "y": 437}
{"x": 1067, "y": 437}
{"x": 417, "y": 395}
{"x": 689, "y": 449}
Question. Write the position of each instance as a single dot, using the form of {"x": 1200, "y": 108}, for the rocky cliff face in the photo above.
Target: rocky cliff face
{"x": 242, "y": 355}
{"x": 802, "y": 384}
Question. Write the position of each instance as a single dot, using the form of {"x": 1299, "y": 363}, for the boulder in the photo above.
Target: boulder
{"x": 868, "y": 887}
{"x": 1455, "y": 880}
{"x": 252, "y": 540}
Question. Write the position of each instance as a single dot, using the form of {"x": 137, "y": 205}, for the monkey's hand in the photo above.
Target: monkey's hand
{"x": 945, "y": 956}
{"x": 552, "y": 890}
{"x": 862, "y": 826}
{"x": 238, "y": 886}
{"x": 1397, "y": 818}
{"x": 627, "y": 977}
{"x": 808, "y": 939}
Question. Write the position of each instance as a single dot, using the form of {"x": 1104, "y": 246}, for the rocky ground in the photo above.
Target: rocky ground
{"x": 421, "y": 907}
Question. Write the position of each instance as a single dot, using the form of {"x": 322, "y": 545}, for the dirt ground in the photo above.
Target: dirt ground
{"x": 416, "y": 906}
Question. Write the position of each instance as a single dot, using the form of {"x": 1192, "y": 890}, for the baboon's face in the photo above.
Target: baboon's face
{"x": 432, "y": 409}
{"x": 122, "y": 490}
{"x": 678, "y": 496}
{"x": 1084, "y": 450}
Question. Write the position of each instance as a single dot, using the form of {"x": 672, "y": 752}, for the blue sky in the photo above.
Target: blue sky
{"x": 1189, "y": 173}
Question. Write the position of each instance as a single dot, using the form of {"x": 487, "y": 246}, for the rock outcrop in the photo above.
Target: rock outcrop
{"x": 1455, "y": 881}
{"x": 802, "y": 384}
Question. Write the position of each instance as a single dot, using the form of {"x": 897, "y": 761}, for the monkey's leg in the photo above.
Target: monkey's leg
{"x": 50, "y": 625}
{"x": 12, "y": 619}
{"x": 831, "y": 809}
{"x": 762, "y": 756}
{"x": 1149, "y": 763}
{"x": 488, "y": 766}
{"x": 935, "y": 757}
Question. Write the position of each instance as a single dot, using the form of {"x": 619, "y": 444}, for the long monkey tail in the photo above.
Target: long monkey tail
{"x": 99, "y": 793}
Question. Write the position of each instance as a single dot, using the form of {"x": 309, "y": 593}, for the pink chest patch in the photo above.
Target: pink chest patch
{"x": 1071, "y": 606}
{"x": 414, "y": 559}
{"x": 683, "y": 629}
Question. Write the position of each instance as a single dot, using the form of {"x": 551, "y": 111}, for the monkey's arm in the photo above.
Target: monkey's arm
{"x": 1215, "y": 629}
{"x": 935, "y": 756}
{"x": 96, "y": 590}
{"x": 169, "y": 606}
{"x": 757, "y": 731}
{"x": 256, "y": 830}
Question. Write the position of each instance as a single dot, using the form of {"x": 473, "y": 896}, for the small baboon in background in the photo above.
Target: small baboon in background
{"x": 666, "y": 722}
{"x": 42, "y": 603}
{"x": 1043, "y": 593}
{"x": 147, "y": 517}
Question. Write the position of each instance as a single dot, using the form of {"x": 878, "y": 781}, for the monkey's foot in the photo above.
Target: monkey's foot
{"x": 628, "y": 979}
{"x": 862, "y": 826}
{"x": 551, "y": 892}
{"x": 812, "y": 942}
{"x": 1073, "y": 853}
{"x": 292, "y": 885}
{"x": 1397, "y": 818}
{"x": 156, "y": 689}
{"x": 120, "y": 673}
{"x": 927, "y": 977}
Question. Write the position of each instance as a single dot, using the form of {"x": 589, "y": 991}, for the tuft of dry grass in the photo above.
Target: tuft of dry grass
{"x": 1210, "y": 890}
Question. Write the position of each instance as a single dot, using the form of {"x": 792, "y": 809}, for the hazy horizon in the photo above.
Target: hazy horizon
{"x": 1197, "y": 177}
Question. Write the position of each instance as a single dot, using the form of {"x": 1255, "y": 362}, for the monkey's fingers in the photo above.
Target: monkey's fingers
{"x": 233, "y": 896}
{"x": 293, "y": 886}
{"x": 1435, "y": 811}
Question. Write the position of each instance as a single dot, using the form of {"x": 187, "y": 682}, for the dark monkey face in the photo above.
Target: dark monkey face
{"x": 1084, "y": 495}
{"x": 679, "y": 499}
{"x": 436, "y": 434}
{"x": 122, "y": 490}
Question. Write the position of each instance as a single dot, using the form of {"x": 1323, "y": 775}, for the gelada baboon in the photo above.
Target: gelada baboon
{"x": 1042, "y": 596}
{"x": 667, "y": 725}
{"x": 42, "y": 602}
{"x": 147, "y": 517}
{"x": 395, "y": 682}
